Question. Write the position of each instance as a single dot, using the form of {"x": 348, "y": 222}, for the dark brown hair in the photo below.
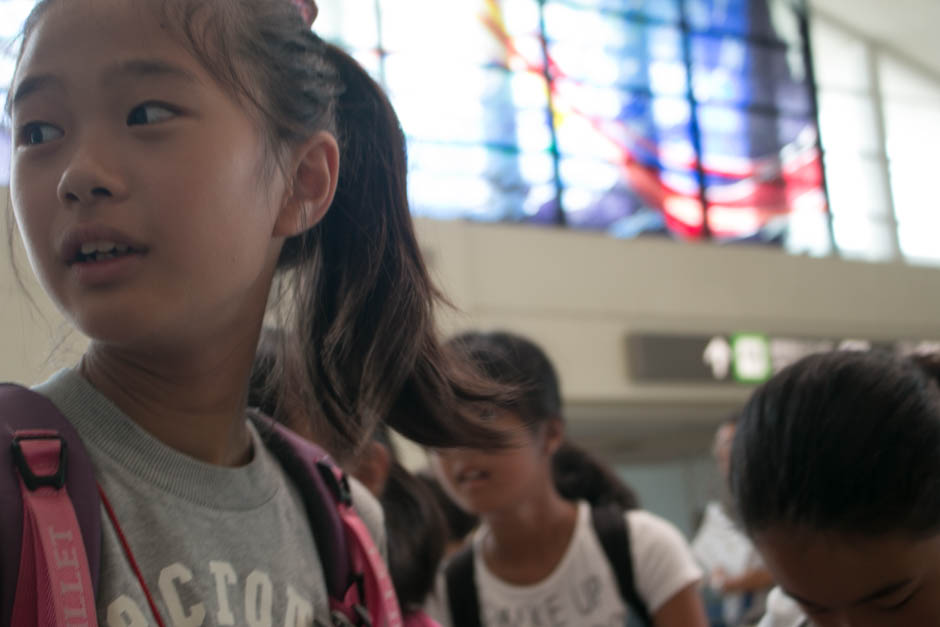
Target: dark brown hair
{"x": 417, "y": 534}
{"x": 519, "y": 364}
{"x": 359, "y": 343}
{"x": 581, "y": 476}
{"x": 842, "y": 442}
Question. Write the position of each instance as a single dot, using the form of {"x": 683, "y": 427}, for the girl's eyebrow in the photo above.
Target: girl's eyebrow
{"x": 141, "y": 68}
{"x": 31, "y": 85}
{"x": 133, "y": 68}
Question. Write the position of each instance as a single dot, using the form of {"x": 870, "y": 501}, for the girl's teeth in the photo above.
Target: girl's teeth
{"x": 103, "y": 246}
{"x": 121, "y": 248}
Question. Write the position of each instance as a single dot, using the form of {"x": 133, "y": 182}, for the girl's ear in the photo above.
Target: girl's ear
{"x": 553, "y": 436}
{"x": 314, "y": 173}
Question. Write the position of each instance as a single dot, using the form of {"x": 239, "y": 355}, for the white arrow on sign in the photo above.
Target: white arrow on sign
{"x": 718, "y": 356}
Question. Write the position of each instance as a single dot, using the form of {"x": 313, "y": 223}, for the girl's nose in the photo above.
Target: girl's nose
{"x": 90, "y": 178}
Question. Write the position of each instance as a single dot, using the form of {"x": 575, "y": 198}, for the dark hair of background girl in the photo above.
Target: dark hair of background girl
{"x": 417, "y": 535}
{"x": 459, "y": 523}
{"x": 356, "y": 298}
{"x": 842, "y": 442}
{"x": 520, "y": 364}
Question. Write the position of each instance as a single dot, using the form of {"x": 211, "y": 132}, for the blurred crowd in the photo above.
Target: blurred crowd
{"x": 535, "y": 530}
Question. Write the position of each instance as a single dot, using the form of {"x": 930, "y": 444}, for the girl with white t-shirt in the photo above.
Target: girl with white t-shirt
{"x": 536, "y": 558}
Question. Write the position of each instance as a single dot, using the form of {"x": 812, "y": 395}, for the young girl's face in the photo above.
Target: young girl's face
{"x": 489, "y": 482}
{"x": 137, "y": 180}
{"x": 890, "y": 581}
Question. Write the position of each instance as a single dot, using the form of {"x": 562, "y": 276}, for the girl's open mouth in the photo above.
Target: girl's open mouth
{"x": 472, "y": 476}
{"x": 93, "y": 252}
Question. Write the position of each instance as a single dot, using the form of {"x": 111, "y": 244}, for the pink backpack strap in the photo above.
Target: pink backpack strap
{"x": 55, "y": 586}
{"x": 377, "y": 590}
{"x": 50, "y": 526}
{"x": 359, "y": 586}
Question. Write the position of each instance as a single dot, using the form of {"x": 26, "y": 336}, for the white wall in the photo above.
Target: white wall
{"x": 34, "y": 340}
{"x": 580, "y": 293}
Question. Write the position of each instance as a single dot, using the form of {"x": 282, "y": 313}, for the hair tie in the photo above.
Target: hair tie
{"x": 307, "y": 9}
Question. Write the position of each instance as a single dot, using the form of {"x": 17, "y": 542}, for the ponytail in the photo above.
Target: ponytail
{"x": 578, "y": 475}
{"x": 366, "y": 347}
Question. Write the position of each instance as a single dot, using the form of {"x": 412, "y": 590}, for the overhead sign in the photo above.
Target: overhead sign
{"x": 747, "y": 358}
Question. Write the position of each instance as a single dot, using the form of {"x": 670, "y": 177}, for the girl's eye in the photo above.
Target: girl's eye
{"x": 893, "y": 606}
{"x": 36, "y": 133}
{"x": 149, "y": 113}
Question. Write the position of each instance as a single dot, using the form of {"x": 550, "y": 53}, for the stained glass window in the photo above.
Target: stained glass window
{"x": 688, "y": 118}
{"x": 692, "y": 118}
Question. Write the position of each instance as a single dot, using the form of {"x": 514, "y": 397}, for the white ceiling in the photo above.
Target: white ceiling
{"x": 908, "y": 27}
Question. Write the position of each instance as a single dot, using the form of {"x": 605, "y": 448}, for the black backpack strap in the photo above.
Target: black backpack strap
{"x": 326, "y": 491}
{"x": 23, "y": 409}
{"x": 462, "y": 598}
{"x": 612, "y": 530}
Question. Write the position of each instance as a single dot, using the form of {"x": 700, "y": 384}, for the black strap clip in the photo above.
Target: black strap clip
{"x": 32, "y": 480}
{"x": 339, "y": 486}
{"x": 362, "y": 615}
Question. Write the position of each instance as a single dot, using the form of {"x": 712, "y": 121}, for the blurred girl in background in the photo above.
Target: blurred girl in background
{"x": 539, "y": 558}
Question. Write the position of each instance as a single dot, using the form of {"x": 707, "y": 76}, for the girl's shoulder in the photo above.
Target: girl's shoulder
{"x": 663, "y": 564}
{"x": 652, "y": 536}
{"x": 649, "y": 528}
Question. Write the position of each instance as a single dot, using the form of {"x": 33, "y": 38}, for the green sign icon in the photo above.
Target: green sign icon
{"x": 752, "y": 362}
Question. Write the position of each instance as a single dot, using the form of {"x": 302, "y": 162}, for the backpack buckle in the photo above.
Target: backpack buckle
{"x": 338, "y": 485}
{"x": 341, "y": 620}
{"x": 364, "y": 619}
{"x": 351, "y": 612}
{"x": 32, "y": 480}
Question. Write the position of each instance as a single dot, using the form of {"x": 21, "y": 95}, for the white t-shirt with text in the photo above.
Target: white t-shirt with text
{"x": 582, "y": 590}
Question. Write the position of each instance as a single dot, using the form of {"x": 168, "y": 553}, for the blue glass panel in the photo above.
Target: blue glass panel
{"x": 758, "y": 168}
{"x": 646, "y": 10}
{"x": 735, "y": 132}
{"x": 732, "y": 71}
{"x": 740, "y": 17}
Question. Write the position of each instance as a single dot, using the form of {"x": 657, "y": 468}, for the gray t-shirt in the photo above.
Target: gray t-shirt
{"x": 215, "y": 545}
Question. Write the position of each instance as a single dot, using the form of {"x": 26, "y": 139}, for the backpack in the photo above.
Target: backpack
{"x": 614, "y": 535}
{"x": 46, "y": 479}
